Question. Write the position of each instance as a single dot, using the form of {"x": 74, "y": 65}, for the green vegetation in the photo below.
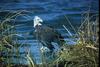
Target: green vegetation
{"x": 85, "y": 53}
{"x": 9, "y": 46}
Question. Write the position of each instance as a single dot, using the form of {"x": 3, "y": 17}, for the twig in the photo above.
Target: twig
{"x": 67, "y": 30}
{"x": 30, "y": 60}
{"x": 92, "y": 47}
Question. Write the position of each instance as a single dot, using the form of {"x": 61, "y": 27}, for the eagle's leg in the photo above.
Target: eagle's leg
{"x": 48, "y": 45}
{"x": 51, "y": 47}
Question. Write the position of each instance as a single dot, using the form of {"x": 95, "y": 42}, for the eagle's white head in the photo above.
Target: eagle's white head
{"x": 37, "y": 21}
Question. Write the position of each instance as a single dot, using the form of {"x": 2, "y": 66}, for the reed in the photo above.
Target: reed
{"x": 10, "y": 55}
{"x": 85, "y": 52}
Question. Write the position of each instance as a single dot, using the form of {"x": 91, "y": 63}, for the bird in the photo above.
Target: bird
{"x": 46, "y": 35}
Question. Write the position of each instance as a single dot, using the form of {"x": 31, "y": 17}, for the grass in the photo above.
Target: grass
{"x": 9, "y": 46}
{"x": 85, "y": 53}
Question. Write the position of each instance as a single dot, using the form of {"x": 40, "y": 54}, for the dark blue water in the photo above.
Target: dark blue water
{"x": 51, "y": 11}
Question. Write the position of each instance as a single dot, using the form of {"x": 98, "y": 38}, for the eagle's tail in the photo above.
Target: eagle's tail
{"x": 62, "y": 41}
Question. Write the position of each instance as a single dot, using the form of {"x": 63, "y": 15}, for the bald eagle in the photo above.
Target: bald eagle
{"x": 46, "y": 35}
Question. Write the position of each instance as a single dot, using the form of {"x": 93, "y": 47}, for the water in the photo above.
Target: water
{"x": 51, "y": 11}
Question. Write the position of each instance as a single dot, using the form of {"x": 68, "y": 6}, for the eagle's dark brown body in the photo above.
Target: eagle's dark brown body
{"x": 47, "y": 35}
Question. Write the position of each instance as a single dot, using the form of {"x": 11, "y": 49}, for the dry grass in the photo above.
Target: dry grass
{"x": 83, "y": 54}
